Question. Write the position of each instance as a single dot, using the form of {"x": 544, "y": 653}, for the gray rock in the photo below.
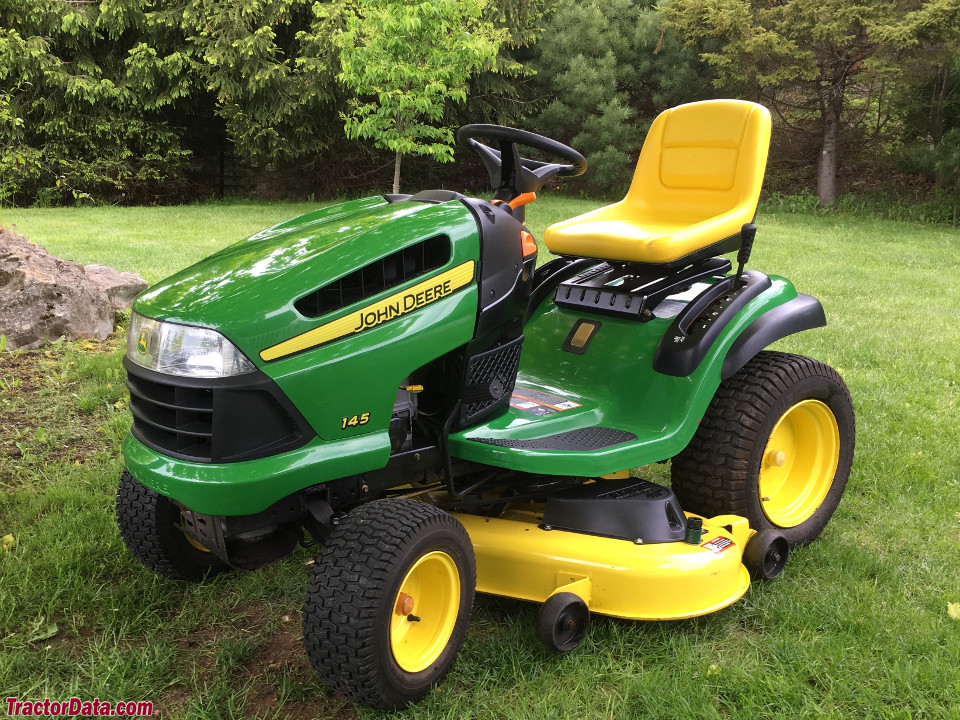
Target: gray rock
{"x": 43, "y": 297}
{"x": 121, "y": 287}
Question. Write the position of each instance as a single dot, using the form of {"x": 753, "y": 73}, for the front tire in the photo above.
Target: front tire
{"x": 775, "y": 446}
{"x": 148, "y": 525}
{"x": 389, "y": 602}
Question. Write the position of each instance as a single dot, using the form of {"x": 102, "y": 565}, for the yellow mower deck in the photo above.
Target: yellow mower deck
{"x": 518, "y": 558}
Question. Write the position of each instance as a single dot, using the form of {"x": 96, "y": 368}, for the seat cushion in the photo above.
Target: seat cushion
{"x": 696, "y": 184}
{"x": 613, "y": 240}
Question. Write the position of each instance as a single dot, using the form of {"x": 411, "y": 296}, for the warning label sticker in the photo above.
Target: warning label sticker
{"x": 539, "y": 403}
{"x": 718, "y": 545}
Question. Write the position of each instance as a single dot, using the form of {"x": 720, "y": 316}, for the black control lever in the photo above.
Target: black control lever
{"x": 747, "y": 233}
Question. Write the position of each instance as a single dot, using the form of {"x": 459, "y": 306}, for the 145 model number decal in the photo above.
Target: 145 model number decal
{"x": 354, "y": 420}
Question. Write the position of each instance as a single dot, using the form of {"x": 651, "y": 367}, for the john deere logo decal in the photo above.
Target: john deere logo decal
{"x": 143, "y": 341}
{"x": 410, "y": 301}
{"x": 401, "y": 303}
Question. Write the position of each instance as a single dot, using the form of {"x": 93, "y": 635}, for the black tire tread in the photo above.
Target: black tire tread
{"x": 710, "y": 476}
{"x": 145, "y": 523}
{"x": 347, "y": 584}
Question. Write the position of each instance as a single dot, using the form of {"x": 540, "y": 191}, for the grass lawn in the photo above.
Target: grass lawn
{"x": 857, "y": 627}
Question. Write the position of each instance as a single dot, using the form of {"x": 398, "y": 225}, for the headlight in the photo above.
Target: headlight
{"x": 183, "y": 350}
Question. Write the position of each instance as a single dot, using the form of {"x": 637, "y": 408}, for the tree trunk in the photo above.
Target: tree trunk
{"x": 937, "y": 105}
{"x": 831, "y": 98}
{"x": 396, "y": 175}
{"x": 399, "y": 124}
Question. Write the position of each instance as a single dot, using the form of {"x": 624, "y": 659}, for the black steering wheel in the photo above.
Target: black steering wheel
{"x": 512, "y": 175}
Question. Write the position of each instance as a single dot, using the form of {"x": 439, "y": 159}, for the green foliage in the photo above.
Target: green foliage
{"x": 406, "y": 60}
{"x": 802, "y": 202}
{"x": 132, "y": 100}
{"x": 137, "y": 101}
{"x": 269, "y": 67}
{"x": 18, "y": 162}
{"x": 930, "y": 102}
{"x": 938, "y": 162}
{"x": 79, "y": 128}
{"x": 825, "y": 66}
{"x": 112, "y": 98}
{"x": 610, "y": 67}
{"x": 502, "y": 93}
{"x": 943, "y": 210}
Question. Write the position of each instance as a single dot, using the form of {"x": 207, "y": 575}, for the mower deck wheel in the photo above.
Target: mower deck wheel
{"x": 148, "y": 524}
{"x": 766, "y": 554}
{"x": 563, "y": 621}
{"x": 389, "y": 602}
{"x": 775, "y": 446}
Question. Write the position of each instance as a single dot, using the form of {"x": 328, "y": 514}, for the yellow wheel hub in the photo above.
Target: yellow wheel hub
{"x": 799, "y": 463}
{"x": 190, "y": 541}
{"x": 425, "y": 612}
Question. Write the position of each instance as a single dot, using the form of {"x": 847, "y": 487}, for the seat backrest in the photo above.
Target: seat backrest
{"x": 700, "y": 160}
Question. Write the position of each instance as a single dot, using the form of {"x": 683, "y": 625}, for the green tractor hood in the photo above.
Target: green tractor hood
{"x": 247, "y": 291}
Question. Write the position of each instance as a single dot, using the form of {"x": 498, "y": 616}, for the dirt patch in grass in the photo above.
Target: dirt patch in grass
{"x": 280, "y": 671}
{"x": 281, "y": 650}
{"x": 282, "y": 677}
{"x": 41, "y": 394}
{"x": 277, "y": 677}
{"x": 174, "y": 702}
{"x": 19, "y": 385}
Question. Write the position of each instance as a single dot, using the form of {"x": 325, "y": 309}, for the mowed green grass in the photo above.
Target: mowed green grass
{"x": 857, "y": 627}
{"x": 154, "y": 242}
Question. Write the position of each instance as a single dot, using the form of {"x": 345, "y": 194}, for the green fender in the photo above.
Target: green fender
{"x": 612, "y": 385}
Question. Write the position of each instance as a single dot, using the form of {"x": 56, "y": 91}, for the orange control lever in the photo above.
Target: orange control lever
{"x": 522, "y": 199}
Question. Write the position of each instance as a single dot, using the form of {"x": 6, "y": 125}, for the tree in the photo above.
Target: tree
{"x": 609, "y": 68}
{"x": 271, "y": 68}
{"x": 929, "y": 100}
{"x": 17, "y": 161}
{"x": 505, "y": 93}
{"x": 80, "y": 127}
{"x": 406, "y": 60}
{"x": 825, "y": 60}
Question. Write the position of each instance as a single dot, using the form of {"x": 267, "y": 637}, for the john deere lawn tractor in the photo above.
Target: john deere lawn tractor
{"x": 394, "y": 380}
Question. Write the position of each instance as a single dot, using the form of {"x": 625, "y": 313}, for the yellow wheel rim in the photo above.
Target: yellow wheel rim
{"x": 799, "y": 463}
{"x": 425, "y": 611}
{"x": 194, "y": 544}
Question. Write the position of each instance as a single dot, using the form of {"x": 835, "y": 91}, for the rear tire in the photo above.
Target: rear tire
{"x": 775, "y": 446}
{"x": 389, "y": 602}
{"x": 148, "y": 525}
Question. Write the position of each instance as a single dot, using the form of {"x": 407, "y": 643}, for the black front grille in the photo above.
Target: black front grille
{"x": 213, "y": 420}
{"x": 171, "y": 417}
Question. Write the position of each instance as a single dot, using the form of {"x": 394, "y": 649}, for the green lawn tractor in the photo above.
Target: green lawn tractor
{"x": 394, "y": 380}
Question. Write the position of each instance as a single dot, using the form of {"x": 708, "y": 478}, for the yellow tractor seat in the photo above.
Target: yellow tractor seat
{"x": 696, "y": 184}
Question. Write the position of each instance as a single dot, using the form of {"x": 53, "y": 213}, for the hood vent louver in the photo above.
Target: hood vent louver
{"x": 374, "y": 278}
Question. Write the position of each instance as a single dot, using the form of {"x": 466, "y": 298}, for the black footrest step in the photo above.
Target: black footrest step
{"x": 583, "y": 440}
